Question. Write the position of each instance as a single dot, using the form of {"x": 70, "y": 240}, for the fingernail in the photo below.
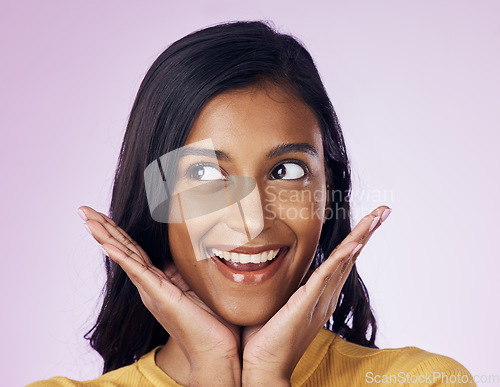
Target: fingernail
{"x": 81, "y": 214}
{"x": 359, "y": 246}
{"x": 88, "y": 229}
{"x": 374, "y": 223}
{"x": 104, "y": 251}
{"x": 385, "y": 214}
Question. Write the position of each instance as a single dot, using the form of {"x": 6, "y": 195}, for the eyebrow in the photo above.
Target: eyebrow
{"x": 278, "y": 150}
{"x": 282, "y": 149}
{"x": 220, "y": 155}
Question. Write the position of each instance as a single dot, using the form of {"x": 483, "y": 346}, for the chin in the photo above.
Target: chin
{"x": 247, "y": 320}
{"x": 243, "y": 314}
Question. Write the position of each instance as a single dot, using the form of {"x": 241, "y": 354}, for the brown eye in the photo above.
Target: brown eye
{"x": 204, "y": 172}
{"x": 287, "y": 171}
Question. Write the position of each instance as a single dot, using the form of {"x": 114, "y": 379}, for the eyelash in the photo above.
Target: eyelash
{"x": 300, "y": 163}
{"x": 204, "y": 164}
{"x": 303, "y": 165}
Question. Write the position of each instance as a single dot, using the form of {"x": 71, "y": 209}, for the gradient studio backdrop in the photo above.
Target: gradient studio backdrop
{"x": 415, "y": 84}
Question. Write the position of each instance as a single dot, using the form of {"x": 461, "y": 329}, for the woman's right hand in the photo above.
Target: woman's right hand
{"x": 210, "y": 344}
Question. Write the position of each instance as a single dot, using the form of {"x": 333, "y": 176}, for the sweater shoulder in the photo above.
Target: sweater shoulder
{"x": 409, "y": 356}
{"x": 124, "y": 376}
{"x": 395, "y": 365}
{"x": 144, "y": 372}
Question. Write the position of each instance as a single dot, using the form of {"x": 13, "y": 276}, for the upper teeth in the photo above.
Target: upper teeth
{"x": 247, "y": 258}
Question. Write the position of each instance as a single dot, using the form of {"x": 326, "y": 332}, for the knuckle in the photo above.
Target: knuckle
{"x": 129, "y": 245}
{"x": 101, "y": 219}
{"x": 344, "y": 263}
{"x": 110, "y": 221}
{"x": 327, "y": 278}
{"x": 124, "y": 240}
{"x": 128, "y": 251}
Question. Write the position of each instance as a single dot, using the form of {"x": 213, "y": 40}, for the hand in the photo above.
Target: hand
{"x": 271, "y": 351}
{"x": 176, "y": 307}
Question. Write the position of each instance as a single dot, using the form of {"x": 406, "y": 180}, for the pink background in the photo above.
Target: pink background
{"x": 415, "y": 84}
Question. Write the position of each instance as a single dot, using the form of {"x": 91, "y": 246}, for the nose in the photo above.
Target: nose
{"x": 245, "y": 211}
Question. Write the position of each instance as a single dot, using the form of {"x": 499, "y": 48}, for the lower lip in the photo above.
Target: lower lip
{"x": 254, "y": 276}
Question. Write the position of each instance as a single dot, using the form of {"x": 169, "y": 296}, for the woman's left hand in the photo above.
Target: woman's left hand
{"x": 271, "y": 351}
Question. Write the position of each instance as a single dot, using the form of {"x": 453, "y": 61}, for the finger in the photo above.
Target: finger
{"x": 333, "y": 289}
{"x": 386, "y": 212}
{"x": 341, "y": 272}
{"x": 90, "y": 213}
{"x": 134, "y": 243}
{"x": 175, "y": 277}
{"x": 331, "y": 304}
{"x": 102, "y": 235}
{"x": 308, "y": 301}
{"x": 168, "y": 304}
{"x": 324, "y": 286}
{"x": 170, "y": 269}
{"x": 367, "y": 225}
{"x": 329, "y": 270}
{"x": 361, "y": 234}
{"x": 303, "y": 304}
{"x": 149, "y": 280}
{"x": 112, "y": 228}
{"x": 328, "y": 299}
{"x": 137, "y": 271}
{"x": 329, "y": 275}
{"x": 114, "y": 231}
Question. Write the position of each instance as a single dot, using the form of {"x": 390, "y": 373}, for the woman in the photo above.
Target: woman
{"x": 231, "y": 255}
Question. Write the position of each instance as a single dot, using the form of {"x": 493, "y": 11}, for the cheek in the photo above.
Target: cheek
{"x": 179, "y": 241}
{"x": 185, "y": 256}
{"x": 303, "y": 211}
{"x": 302, "y": 208}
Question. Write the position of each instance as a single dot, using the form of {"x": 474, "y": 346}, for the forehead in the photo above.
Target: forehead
{"x": 254, "y": 117}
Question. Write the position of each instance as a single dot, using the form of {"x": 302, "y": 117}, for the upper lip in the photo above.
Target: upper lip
{"x": 247, "y": 249}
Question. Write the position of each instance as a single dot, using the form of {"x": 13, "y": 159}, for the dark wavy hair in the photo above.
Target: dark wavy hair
{"x": 180, "y": 82}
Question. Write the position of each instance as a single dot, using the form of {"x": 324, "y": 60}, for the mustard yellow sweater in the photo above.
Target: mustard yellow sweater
{"x": 328, "y": 361}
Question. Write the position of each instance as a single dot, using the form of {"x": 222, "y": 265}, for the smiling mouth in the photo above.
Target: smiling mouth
{"x": 247, "y": 262}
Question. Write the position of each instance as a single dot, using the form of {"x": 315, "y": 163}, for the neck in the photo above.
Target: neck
{"x": 172, "y": 360}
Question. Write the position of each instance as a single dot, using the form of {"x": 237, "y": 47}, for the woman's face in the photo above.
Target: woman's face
{"x": 272, "y": 219}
